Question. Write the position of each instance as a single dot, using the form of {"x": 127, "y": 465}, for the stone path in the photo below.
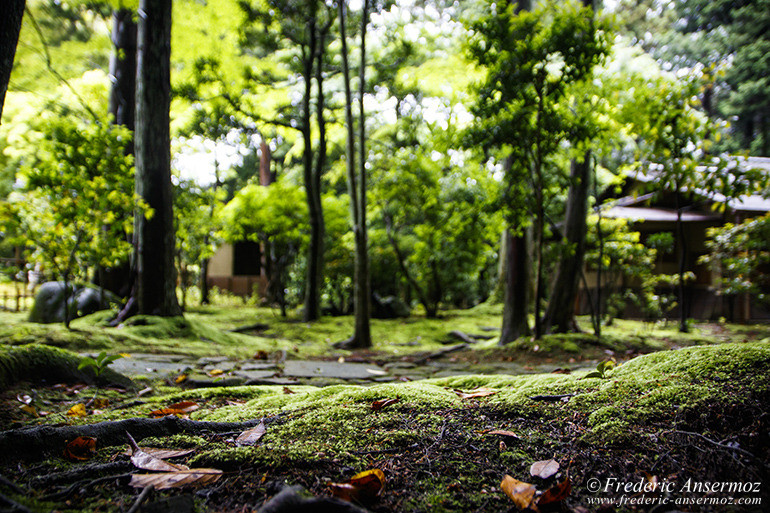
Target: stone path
{"x": 223, "y": 371}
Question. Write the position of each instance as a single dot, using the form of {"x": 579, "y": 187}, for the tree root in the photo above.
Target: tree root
{"x": 40, "y": 441}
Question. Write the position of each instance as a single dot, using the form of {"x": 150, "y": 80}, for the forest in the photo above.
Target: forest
{"x": 387, "y": 251}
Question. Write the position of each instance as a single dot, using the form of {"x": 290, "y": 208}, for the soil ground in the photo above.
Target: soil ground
{"x": 691, "y": 423}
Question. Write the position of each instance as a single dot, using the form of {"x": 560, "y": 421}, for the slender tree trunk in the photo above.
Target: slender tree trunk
{"x": 312, "y": 191}
{"x": 10, "y": 26}
{"x": 356, "y": 188}
{"x": 683, "y": 303}
{"x": 560, "y": 313}
{"x": 515, "y": 323}
{"x": 156, "y": 274}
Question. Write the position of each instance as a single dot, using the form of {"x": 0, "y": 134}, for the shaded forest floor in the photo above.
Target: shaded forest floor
{"x": 676, "y": 413}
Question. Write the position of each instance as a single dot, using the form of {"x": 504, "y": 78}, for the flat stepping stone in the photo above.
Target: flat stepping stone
{"x": 323, "y": 369}
{"x": 150, "y": 364}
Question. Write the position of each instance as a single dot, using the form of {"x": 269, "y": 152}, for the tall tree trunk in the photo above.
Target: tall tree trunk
{"x": 312, "y": 187}
{"x": 683, "y": 300}
{"x": 356, "y": 189}
{"x": 10, "y": 26}
{"x": 560, "y": 313}
{"x": 122, "y": 107}
{"x": 515, "y": 323}
{"x": 156, "y": 276}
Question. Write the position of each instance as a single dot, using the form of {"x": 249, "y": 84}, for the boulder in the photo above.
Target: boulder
{"x": 83, "y": 300}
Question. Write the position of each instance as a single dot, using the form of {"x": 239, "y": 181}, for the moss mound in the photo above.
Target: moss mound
{"x": 41, "y": 363}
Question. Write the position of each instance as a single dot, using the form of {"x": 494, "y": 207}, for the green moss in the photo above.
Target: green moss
{"x": 35, "y": 362}
{"x": 610, "y": 433}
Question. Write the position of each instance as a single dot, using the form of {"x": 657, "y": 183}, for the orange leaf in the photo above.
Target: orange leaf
{"x": 193, "y": 476}
{"x": 544, "y": 469}
{"x": 363, "y": 487}
{"x": 78, "y": 410}
{"x": 181, "y": 378}
{"x": 521, "y": 493}
{"x": 80, "y": 449}
{"x": 476, "y": 392}
{"x": 556, "y": 493}
{"x": 216, "y": 372}
{"x": 382, "y": 403}
{"x": 251, "y": 436}
{"x": 176, "y": 409}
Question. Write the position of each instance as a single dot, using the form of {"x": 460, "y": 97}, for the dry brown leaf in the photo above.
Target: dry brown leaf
{"x": 251, "y": 436}
{"x": 521, "y": 493}
{"x": 287, "y": 390}
{"x": 503, "y": 432}
{"x": 78, "y": 410}
{"x": 146, "y": 461}
{"x": 175, "y": 409}
{"x": 81, "y": 448}
{"x": 29, "y": 410}
{"x": 162, "y": 454}
{"x": 383, "y": 403}
{"x": 476, "y": 392}
{"x": 544, "y": 469}
{"x": 193, "y": 476}
{"x": 556, "y": 493}
{"x": 364, "y": 487}
{"x": 100, "y": 402}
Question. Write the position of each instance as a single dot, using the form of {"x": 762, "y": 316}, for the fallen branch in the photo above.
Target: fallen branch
{"x": 714, "y": 442}
{"x": 39, "y": 441}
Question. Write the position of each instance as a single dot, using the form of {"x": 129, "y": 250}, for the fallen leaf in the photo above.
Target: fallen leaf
{"x": 216, "y": 372}
{"x": 175, "y": 409}
{"x": 100, "y": 402}
{"x": 260, "y": 355}
{"x": 78, "y": 410}
{"x": 521, "y": 493}
{"x": 382, "y": 403}
{"x": 251, "y": 436}
{"x": 287, "y": 390}
{"x": 193, "y": 476}
{"x": 362, "y": 488}
{"x": 26, "y": 399}
{"x": 146, "y": 461}
{"x": 29, "y": 409}
{"x": 181, "y": 378}
{"x": 81, "y": 448}
{"x": 556, "y": 493}
{"x": 503, "y": 432}
{"x": 476, "y": 392}
{"x": 162, "y": 454}
{"x": 544, "y": 469}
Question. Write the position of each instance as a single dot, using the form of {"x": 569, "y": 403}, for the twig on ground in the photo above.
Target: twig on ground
{"x": 146, "y": 491}
{"x": 714, "y": 442}
{"x": 15, "y": 506}
{"x": 552, "y": 398}
{"x": 10, "y": 484}
{"x": 82, "y": 485}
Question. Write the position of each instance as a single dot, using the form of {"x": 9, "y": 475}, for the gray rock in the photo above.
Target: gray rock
{"x": 83, "y": 300}
{"x": 291, "y": 500}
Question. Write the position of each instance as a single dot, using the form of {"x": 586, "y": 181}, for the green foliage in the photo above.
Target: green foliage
{"x": 740, "y": 255}
{"x": 99, "y": 364}
{"x": 438, "y": 219}
{"x": 78, "y": 200}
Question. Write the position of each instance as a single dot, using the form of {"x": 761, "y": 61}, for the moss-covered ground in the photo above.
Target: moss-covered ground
{"x": 682, "y": 409}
